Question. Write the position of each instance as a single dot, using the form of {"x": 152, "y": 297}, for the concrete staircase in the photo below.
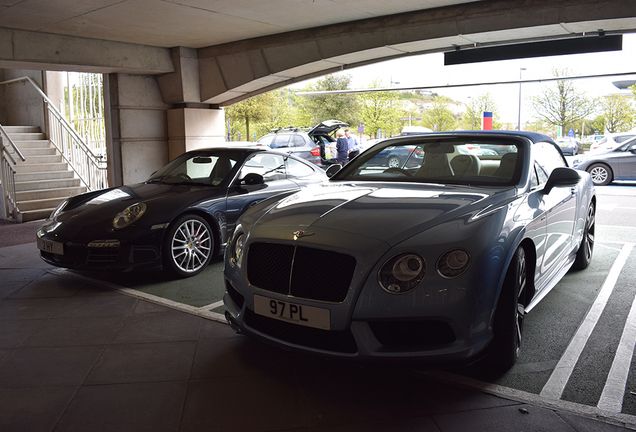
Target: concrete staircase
{"x": 44, "y": 179}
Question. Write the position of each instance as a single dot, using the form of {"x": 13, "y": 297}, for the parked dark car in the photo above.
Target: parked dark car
{"x": 397, "y": 157}
{"x": 178, "y": 219}
{"x": 611, "y": 164}
{"x": 316, "y": 145}
{"x": 436, "y": 263}
{"x": 568, "y": 145}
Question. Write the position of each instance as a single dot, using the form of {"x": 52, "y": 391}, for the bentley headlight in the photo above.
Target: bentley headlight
{"x": 59, "y": 208}
{"x": 402, "y": 273}
{"x": 453, "y": 263}
{"x": 129, "y": 216}
{"x": 236, "y": 251}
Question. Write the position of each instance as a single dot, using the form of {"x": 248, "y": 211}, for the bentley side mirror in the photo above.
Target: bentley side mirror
{"x": 561, "y": 176}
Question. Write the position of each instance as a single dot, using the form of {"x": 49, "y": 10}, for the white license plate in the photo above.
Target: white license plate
{"x": 291, "y": 312}
{"x": 50, "y": 246}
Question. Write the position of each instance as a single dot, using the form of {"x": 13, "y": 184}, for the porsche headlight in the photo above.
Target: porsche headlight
{"x": 129, "y": 216}
{"x": 453, "y": 263}
{"x": 59, "y": 208}
{"x": 236, "y": 251}
{"x": 402, "y": 273}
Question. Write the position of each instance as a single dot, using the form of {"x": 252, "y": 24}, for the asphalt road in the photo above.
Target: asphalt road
{"x": 578, "y": 341}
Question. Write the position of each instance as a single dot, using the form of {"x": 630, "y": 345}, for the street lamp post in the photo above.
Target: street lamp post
{"x": 519, "y": 117}
{"x": 472, "y": 114}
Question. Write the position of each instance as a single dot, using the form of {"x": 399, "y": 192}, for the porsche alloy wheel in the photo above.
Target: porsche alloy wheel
{"x": 600, "y": 173}
{"x": 508, "y": 324}
{"x": 189, "y": 246}
{"x": 586, "y": 248}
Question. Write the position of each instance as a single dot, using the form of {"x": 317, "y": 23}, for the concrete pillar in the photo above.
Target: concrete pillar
{"x": 194, "y": 128}
{"x": 139, "y": 134}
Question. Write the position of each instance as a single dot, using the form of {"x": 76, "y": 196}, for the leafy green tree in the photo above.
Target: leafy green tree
{"x": 242, "y": 113}
{"x": 379, "y": 110}
{"x": 562, "y": 104}
{"x": 617, "y": 113}
{"x": 474, "y": 112}
{"x": 318, "y": 108}
{"x": 439, "y": 117}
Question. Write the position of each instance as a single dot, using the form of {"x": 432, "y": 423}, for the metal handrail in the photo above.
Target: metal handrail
{"x": 15, "y": 149}
{"x": 7, "y": 179}
{"x": 89, "y": 168}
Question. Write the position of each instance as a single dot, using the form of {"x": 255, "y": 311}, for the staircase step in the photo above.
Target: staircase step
{"x": 37, "y": 151}
{"x": 44, "y": 194}
{"x": 25, "y": 145}
{"x": 50, "y": 175}
{"x": 25, "y": 167}
{"x": 32, "y": 186}
{"x": 48, "y": 203}
{"x": 33, "y": 215}
{"x": 27, "y": 136}
{"x": 42, "y": 160}
{"x": 21, "y": 129}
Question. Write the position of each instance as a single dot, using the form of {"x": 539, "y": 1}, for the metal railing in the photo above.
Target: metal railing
{"x": 7, "y": 174}
{"x": 91, "y": 169}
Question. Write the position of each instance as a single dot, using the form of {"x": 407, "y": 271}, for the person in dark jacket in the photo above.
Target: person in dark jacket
{"x": 342, "y": 145}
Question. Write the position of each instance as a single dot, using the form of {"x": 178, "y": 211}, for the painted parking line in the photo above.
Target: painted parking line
{"x": 553, "y": 389}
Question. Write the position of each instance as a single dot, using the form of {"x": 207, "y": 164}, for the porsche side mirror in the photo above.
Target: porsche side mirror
{"x": 561, "y": 176}
{"x": 252, "y": 179}
{"x": 332, "y": 170}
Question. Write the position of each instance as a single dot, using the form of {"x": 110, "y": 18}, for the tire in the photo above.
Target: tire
{"x": 394, "y": 162}
{"x": 586, "y": 248}
{"x": 510, "y": 313}
{"x": 188, "y": 246}
{"x": 601, "y": 174}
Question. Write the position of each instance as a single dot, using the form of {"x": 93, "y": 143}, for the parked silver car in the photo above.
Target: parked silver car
{"x": 435, "y": 262}
{"x": 611, "y": 164}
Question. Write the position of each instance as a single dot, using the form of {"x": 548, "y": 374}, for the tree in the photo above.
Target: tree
{"x": 474, "y": 112}
{"x": 250, "y": 110}
{"x": 617, "y": 113}
{"x": 439, "y": 117}
{"x": 378, "y": 110}
{"x": 563, "y": 105}
{"x": 318, "y": 108}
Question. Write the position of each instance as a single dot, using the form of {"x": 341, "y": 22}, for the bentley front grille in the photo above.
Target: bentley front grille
{"x": 299, "y": 271}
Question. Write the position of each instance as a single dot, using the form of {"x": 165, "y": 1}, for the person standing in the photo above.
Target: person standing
{"x": 342, "y": 145}
{"x": 354, "y": 145}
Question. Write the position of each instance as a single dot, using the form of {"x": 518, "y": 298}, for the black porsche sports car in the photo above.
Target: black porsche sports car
{"x": 178, "y": 219}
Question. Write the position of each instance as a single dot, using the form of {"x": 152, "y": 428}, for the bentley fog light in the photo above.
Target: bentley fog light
{"x": 129, "y": 216}
{"x": 236, "y": 252}
{"x": 402, "y": 273}
{"x": 453, "y": 263}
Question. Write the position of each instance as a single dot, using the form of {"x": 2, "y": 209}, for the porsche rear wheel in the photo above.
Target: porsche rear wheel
{"x": 584, "y": 254}
{"x": 511, "y": 310}
{"x": 188, "y": 246}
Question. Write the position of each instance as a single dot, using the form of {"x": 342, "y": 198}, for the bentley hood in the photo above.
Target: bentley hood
{"x": 389, "y": 213}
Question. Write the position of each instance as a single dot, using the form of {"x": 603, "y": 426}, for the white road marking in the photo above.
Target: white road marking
{"x": 614, "y": 390}
{"x": 553, "y": 389}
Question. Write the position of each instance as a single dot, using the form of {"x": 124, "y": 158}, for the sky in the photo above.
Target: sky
{"x": 429, "y": 70}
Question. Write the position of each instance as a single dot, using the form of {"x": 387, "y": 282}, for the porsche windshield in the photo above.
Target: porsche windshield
{"x": 482, "y": 162}
{"x": 196, "y": 168}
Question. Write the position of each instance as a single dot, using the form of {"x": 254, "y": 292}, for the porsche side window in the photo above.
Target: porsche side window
{"x": 271, "y": 167}
{"x": 298, "y": 169}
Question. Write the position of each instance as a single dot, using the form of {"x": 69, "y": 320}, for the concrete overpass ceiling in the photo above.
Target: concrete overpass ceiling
{"x": 193, "y": 23}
